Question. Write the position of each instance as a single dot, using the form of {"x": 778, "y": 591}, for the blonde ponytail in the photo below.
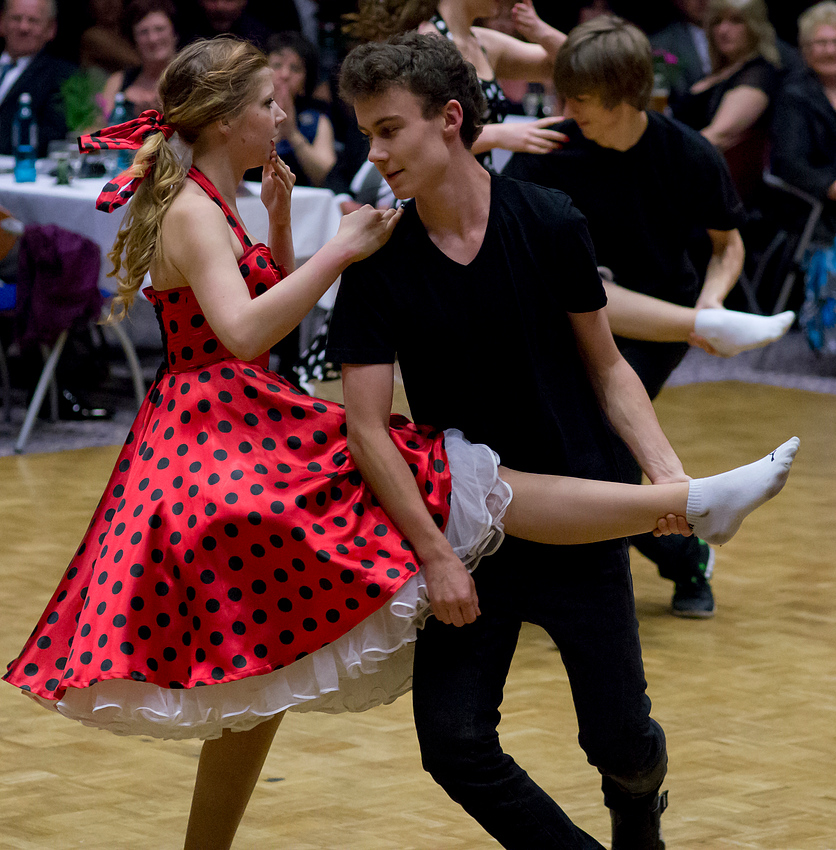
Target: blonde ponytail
{"x": 138, "y": 239}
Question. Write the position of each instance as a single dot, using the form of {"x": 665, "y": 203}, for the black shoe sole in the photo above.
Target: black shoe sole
{"x": 694, "y": 615}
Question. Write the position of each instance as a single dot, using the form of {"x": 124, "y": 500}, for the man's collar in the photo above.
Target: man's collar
{"x": 21, "y": 61}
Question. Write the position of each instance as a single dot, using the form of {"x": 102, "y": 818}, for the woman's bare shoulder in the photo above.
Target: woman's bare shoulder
{"x": 192, "y": 207}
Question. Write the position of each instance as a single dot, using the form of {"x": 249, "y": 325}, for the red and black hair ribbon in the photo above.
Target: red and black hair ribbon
{"x": 129, "y": 136}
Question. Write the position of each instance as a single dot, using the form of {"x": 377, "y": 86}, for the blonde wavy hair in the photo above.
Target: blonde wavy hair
{"x": 377, "y": 20}
{"x": 761, "y": 33}
{"x": 207, "y": 81}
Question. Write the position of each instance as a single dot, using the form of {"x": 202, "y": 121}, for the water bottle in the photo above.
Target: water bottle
{"x": 532, "y": 102}
{"x": 25, "y": 141}
{"x": 119, "y": 161}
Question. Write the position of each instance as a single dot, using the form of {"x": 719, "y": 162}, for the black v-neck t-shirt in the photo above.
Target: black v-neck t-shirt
{"x": 646, "y": 206}
{"x": 487, "y": 347}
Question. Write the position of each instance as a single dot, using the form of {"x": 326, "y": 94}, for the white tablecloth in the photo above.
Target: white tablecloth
{"x": 315, "y": 214}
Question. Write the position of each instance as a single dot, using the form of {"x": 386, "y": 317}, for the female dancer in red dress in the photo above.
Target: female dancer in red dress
{"x": 237, "y": 566}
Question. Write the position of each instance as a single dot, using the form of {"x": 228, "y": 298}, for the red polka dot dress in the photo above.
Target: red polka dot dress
{"x": 236, "y": 565}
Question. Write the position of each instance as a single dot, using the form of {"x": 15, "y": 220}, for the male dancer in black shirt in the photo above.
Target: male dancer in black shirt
{"x": 488, "y": 295}
{"x": 649, "y": 188}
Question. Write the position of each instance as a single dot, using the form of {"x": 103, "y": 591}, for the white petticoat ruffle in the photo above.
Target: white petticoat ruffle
{"x": 368, "y": 666}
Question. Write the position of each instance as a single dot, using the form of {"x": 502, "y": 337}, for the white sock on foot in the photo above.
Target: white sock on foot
{"x": 731, "y": 332}
{"x": 719, "y": 504}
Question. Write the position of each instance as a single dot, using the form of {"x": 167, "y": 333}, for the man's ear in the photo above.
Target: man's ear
{"x": 453, "y": 116}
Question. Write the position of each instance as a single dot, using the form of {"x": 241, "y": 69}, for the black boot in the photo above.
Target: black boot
{"x": 637, "y": 825}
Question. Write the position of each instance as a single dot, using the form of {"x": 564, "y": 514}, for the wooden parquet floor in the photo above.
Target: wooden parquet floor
{"x": 748, "y": 699}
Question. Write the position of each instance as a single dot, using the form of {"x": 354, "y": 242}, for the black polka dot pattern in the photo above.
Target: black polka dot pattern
{"x": 235, "y": 535}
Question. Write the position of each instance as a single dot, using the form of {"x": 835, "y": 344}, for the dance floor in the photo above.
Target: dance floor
{"x": 748, "y": 699}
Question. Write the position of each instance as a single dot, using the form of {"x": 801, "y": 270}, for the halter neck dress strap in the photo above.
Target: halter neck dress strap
{"x": 497, "y": 103}
{"x": 206, "y": 184}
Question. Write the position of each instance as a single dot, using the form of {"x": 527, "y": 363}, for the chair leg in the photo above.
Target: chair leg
{"x": 44, "y": 383}
{"x": 133, "y": 361}
{"x": 7, "y": 386}
{"x": 748, "y": 290}
{"x": 786, "y": 290}
{"x": 54, "y": 414}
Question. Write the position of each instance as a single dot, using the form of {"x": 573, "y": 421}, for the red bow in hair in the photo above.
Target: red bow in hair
{"x": 123, "y": 137}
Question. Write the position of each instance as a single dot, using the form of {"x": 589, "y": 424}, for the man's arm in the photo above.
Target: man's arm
{"x": 724, "y": 268}
{"x": 367, "y": 391}
{"x": 623, "y": 398}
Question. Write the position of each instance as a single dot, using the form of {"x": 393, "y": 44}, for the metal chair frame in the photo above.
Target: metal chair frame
{"x": 46, "y": 382}
{"x": 751, "y": 285}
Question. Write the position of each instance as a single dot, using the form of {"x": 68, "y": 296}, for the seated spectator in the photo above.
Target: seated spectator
{"x": 306, "y": 137}
{"x": 150, "y": 24}
{"x": 685, "y": 38}
{"x": 804, "y": 128}
{"x": 228, "y": 17}
{"x": 103, "y": 44}
{"x": 731, "y": 105}
{"x": 27, "y": 27}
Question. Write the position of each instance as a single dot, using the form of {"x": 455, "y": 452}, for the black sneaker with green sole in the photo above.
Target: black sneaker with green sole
{"x": 693, "y": 599}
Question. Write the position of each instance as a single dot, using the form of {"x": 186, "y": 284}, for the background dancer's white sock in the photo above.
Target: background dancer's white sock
{"x": 719, "y": 504}
{"x": 731, "y": 332}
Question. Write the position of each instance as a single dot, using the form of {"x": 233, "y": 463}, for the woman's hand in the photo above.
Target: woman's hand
{"x": 530, "y": 136}
{"x": 366, "y": 230}
{"x": 276, "y": 185}
{"x": 528, "y": 23}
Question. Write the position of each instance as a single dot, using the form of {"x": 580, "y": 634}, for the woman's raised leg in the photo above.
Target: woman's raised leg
{"x": 227, "y": 772}
{"x": 637, "y": 316}
{"x": 559, "y": 510}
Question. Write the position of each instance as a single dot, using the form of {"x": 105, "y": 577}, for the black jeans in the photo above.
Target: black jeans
{"x": 583, "y": 598}
{"x": 677, "y": 558}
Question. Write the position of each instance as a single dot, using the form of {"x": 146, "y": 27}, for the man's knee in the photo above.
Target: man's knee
{"x": 635, "y": 772}
{"x": 452, "y": 752}
{"x": 633, "y": 758}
